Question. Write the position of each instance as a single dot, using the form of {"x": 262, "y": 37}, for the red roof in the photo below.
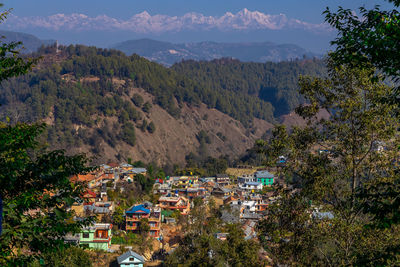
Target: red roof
{"x": 113, "y": 165}
{"x": 89, "y": 194}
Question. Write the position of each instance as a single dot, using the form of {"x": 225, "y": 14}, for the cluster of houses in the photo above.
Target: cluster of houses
{"x": 95, "y": 202}
{"x": 246, "y": 196}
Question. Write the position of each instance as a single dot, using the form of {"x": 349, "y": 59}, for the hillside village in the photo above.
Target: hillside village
{"x": 241, "y": 199}
{"x": 109, "y": 159}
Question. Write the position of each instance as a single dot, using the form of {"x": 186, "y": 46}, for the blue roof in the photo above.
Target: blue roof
{"x": 136, "y": 209}
{"x": 264, "y": 174}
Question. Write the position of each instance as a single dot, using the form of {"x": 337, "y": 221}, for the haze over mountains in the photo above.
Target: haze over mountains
{"x": 168, "y": 53}
{"x": 30, "y": 42}
{"x": 243, "y": 26}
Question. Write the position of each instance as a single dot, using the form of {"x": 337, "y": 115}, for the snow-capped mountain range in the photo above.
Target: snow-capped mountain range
{"x": 146, "y": 23}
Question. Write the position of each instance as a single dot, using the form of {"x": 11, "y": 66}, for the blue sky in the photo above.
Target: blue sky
{"x": 307, "y": 11}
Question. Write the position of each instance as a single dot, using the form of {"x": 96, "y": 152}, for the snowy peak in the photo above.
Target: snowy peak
{"x": 146, "y": 23}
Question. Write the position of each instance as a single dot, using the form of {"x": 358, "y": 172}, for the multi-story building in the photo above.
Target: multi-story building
{"x": 194, "y": 192}
{"x": 222, "y": 179}
{"x": 261, "y": 204}
{"x": 96, "y": 236}
{"x": 135, "y": 215}
{"x": 246, "y": 178}
{"x": 265, "y": 177}
{"x": 175, "y": 203}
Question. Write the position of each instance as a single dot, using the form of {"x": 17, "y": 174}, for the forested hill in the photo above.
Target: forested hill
{"x": 170, "y": 88}
{"x": 169, "y": 53}
{"x": 276, "y": 83}
{"x": 116, "y": 107}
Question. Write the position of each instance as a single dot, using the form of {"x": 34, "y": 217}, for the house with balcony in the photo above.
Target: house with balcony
{"x": 135, "y": 214}
{"x": 222, "y": 179}
{"x": 96, "y": 236}
{"x": 175, "y": 203}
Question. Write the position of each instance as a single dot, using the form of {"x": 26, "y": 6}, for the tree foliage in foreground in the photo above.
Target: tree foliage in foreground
{"x": 72, "y": 256}
{"x": 35, "y": 189}
{"x": 372, "y": 38}
{"x": 345, "y": 210}
{"x": 200, "y": 247}
{"x": 11, "y": 64}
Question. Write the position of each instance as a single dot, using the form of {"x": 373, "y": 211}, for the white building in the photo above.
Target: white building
{"x": 246, "y": 179}
{"x": 251, "y": 186}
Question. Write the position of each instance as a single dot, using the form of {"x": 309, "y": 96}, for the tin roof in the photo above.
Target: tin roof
{"x": 138, "y": 209}
{"x": 129, "y": 254}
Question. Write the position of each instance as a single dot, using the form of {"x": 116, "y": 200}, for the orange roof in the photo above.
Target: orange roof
{"x": 83, "y": 177}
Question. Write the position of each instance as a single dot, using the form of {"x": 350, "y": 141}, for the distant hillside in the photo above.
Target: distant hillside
{"x": 169, "y": 53}
{"x": 275, "y": 83}
{"x": 116, "y": 107}
{"x": 30, "y": 42}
